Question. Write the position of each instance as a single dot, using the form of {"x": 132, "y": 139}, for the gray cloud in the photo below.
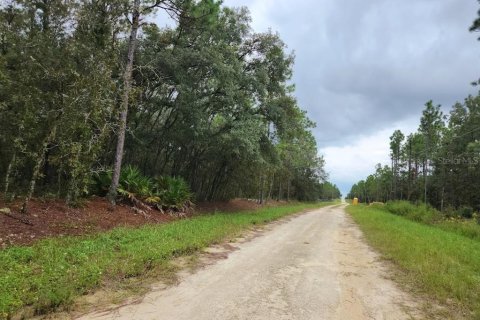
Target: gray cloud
{"x": 363, "y": 65}
{"x": 366, "y": 68}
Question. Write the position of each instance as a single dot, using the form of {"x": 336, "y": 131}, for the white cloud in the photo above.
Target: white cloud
{"x": 355, "y": 161}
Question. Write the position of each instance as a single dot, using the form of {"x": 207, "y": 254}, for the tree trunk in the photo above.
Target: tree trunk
{"x": 271, "y": 186}
{"x": 9, "y": 173}
{"x": 262, "y": 187}
{"x": 288, "y": 190}
{"x": 425, "y": 168}
{"x": 127, "y": 83}
{"x": 392, "y": 182}
{"x": 409, "y": 182}
{"x": 36, "y": 169}
{"x": 425, "y": 173}
{"x": 443, "y": 194}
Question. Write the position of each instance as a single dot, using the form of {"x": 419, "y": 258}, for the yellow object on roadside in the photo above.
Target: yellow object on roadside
{"x": 355, "y": 201}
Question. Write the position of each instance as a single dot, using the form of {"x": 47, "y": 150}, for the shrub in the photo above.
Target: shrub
{"x": 165, "y": 193}
{"x": 377, "y": 205}
{"x": 174, "y": 193}
{"x": 449, "y": 212}
{"x": 132, "y": 183}
{"x": 401, "y": 208}
{"x": 101, "y": 181}
{"x": 419, "y": 213}
{"x": 465, "y": 212}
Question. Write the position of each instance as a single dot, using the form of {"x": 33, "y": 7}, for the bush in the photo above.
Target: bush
{"x": 401, "y": 208}
{"x": 174, "y": 193}
{"x": 465, "y": 212}
{"x": 134, "y": 183}
{"x": 450, "y": 212}
{"x": 131, "y": 183}
{"x": 377, "y": 205}
{"x": 419, "y": 213}
{"x": 165, "y": 193}
{"x": 101, "y": 181}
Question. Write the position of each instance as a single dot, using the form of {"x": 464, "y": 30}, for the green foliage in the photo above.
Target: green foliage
{"x": 438, "y": 165}
{"x": 211, "y": 102}
{"x": 467, "y": 228}
{"x": 174, "y": 193}
{"x": 134, "y": 183}
{"x": 419, "y": 213}
{"x": 458, "y": 221}
{"x": 53, "y": 272}
{"x": 329, "y": 191}
{"x": 100, "y": 182}
{"x": 466, "y": 212}
{"x": 164, "y": 193}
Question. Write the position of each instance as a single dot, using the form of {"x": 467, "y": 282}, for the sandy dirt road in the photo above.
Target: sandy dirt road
{"x": 314, "y": 266}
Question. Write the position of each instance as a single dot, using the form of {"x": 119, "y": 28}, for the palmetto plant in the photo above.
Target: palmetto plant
{"x": 164, "y": 193}
{"x": 174, "y": 193}
{"x": 133, "y": 182}
{"x": 100, "y": 182}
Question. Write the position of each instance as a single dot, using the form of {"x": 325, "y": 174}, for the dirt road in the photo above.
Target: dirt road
{"x": 315, "y": 266}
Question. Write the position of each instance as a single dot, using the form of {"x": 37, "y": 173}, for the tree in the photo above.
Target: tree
{"x": 396, "y": 141}
{"x": 441, "y": 160}
{"x": 207, "y": 100}
{"x": 127, "y": 84}
{"x": 431, "y": 125}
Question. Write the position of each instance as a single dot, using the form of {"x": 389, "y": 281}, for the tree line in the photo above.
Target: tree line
{"x": 438, "y": 165}
{"x": 95, "y": 85}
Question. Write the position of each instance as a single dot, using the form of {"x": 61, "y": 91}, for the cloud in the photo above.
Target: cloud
{"x": 364, "y": 67}
{"x": 375, "y": 60}
{"x": 354, "y": 161}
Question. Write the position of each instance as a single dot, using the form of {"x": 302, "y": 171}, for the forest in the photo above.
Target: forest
{"x": 437, "y": 165}
{"x": 97, "y": 99}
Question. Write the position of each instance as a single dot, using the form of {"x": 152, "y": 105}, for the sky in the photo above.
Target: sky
{"x": 366, "y": 68}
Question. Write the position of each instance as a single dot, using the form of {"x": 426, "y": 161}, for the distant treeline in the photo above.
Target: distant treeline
{"x": 208, "y": 100}
{"x": 439, "y": 164}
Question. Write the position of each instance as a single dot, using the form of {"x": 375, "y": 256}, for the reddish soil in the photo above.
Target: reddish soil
{"x": 53, "y": 218}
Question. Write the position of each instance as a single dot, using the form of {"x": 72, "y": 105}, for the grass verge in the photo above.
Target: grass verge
{"x": 444, "y": 265}
{"x": 466, "y": 228}
{"x": 53, "y": 272}
{"x": 450, "y": 221}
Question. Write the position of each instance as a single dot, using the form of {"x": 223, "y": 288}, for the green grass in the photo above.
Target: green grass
{"x": 442, "y": 264}
{"x": 53, "y": 272}
{"x": 421, "y": 213}
{"x": 467, "y": 228}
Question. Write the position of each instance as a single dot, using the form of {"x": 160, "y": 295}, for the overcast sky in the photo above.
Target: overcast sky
{"x": 366, "y": 68}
